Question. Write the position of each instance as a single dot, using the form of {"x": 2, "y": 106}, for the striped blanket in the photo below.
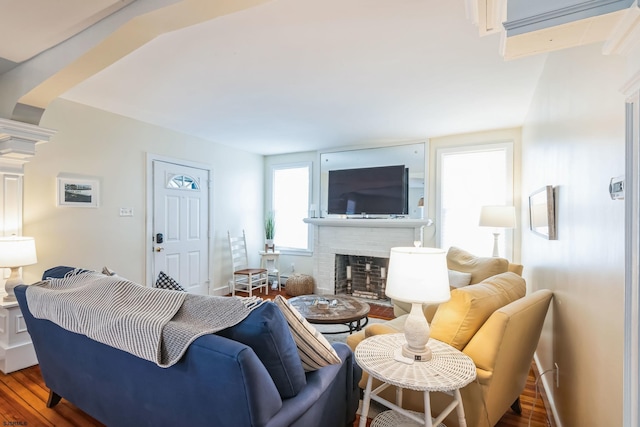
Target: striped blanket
{"x": 154, "y": 324}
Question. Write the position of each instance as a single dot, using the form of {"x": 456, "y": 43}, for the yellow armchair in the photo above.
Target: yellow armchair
{"x": 495, "y": 324}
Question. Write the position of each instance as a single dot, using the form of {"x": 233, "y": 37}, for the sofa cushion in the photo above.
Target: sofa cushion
{"x": 458, "y": 319}
{"x": 314, "y": 349}
{"x": 266, "y": 331}
{"x": 479, "y": 267}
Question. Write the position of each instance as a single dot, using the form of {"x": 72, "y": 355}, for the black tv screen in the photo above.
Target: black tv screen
{"x": 376, "y": 191}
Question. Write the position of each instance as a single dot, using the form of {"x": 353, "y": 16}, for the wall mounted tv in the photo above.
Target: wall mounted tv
{"x": 372, "y": 191}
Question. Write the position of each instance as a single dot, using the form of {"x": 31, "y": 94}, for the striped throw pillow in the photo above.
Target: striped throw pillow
{"x": 314, "y": 349}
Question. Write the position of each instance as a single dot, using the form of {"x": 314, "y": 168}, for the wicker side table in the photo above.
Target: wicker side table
{"x": 299, "y": 284}
{"x": 448, "y": 371}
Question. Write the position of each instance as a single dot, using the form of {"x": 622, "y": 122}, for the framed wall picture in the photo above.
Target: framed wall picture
{"x": 78, "y": 192}
{"x": 542, "y": 218}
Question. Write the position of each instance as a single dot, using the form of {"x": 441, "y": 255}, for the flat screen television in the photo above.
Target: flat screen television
{"x": 380, "y": 190}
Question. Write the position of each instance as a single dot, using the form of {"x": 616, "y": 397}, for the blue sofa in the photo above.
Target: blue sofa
{"x": 247, "y": 375}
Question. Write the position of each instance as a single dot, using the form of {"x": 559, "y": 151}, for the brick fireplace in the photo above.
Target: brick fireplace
{"x": 358, "y": 240}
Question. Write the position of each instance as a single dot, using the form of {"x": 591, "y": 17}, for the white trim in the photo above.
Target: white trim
{"x": 631, "y": 363}
{"x": 625, "y": 35}
{"x": 547, "y": 384}
{"x": 632, "y": 87}
{"x": 151, "y": 158}
{"x": 281, "y": 166}
{"x": 562, "y": 15}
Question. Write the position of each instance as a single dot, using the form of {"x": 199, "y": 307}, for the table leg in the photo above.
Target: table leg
{"x": 366, "y": 400}
{"x": 460, "y": 409}
{"x": 399, "y": 396}
{"x": 428, "y": 422}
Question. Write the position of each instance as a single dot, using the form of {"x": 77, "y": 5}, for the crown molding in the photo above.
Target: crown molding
{"x": 626, "y": 35}
{"x": 18, "y": 142}
{"x": 565, "y": 14}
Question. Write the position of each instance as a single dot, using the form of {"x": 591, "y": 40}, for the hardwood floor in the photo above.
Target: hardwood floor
{"x": 23, "y": 398}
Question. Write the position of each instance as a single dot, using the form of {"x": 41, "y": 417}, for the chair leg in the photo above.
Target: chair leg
{"x": 53, "y": 400}
{"x": 516, "y": 407}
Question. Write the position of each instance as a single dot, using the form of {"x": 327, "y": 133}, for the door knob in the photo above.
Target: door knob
{"x": 159, "y": 249}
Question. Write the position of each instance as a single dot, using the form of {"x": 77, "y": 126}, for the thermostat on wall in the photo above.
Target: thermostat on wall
{"x": 616, "y": 188}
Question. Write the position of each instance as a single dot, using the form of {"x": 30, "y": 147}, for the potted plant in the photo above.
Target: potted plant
{"x": 269, "y": 229}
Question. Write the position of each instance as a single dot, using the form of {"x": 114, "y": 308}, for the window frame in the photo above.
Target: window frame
{"x": 509, "y": 147}
{"x": 308, "y": 251}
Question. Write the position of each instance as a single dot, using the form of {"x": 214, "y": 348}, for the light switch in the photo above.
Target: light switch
{"x": 126, "y": 211}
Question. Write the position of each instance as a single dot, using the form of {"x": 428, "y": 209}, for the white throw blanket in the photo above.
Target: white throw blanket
{"x": 154, "y": 324}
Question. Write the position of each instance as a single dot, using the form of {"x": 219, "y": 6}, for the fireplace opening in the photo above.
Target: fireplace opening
{"x": 361, "y": 276}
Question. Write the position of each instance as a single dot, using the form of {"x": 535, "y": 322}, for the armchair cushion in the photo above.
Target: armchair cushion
{"x": 479, "y": 267}
{"x": 457, "y": 320}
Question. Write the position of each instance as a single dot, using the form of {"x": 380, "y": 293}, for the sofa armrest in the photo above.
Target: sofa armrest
{"x": 330, "y": 397}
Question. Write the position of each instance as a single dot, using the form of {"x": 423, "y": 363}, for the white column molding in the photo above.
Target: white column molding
{"x": 18, "y": 142}
{"x": 631, "y": 362}
{"x": 626, "y": 35}
{"x": 488, "y": 15}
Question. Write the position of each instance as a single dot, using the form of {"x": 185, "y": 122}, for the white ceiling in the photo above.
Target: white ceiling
{"x": 298, "y": 75}
{"x": 33, "y": 26}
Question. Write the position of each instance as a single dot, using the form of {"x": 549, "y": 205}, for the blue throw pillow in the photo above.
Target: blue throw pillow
{"x": 266, "y": 331}
{"x": 58, "y": 272}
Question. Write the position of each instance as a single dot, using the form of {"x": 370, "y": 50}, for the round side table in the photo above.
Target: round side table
{"x": 448, "y": 371}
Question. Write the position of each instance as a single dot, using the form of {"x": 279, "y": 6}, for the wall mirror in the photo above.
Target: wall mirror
{"x": 411, "y": 156}
{"x": 542, "y": 219}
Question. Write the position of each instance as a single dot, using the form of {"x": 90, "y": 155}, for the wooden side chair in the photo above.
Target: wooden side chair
{"x": 245, "y": 278}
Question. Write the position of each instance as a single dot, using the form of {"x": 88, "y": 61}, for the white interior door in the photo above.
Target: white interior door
{"x": 181, "y": 225}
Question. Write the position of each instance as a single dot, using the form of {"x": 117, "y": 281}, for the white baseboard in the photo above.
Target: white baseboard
{"x": 548, "y": 397}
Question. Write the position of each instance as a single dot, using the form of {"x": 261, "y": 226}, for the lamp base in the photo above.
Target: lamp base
{"x": 416, "y": 332}
{"x": 423, "y": 355}
{"x": 14, "y": 280}
{"x": 496, "y": 253}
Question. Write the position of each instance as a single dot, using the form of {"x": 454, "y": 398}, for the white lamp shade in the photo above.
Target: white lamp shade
{"x": 498, "y": 216}
{"x": 418, "y": 275}
{"x": 17, "y": 251}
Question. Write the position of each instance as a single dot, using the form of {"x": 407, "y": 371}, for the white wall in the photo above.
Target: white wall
{"x": 573, "y": 138}
{"x": 113, "y": 149}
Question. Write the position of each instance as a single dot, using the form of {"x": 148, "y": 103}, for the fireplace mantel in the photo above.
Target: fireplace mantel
{"x": 370, "y": 222}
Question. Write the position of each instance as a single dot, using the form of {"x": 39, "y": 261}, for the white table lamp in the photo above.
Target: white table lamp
{"x": 16, "y": 252}
{"x": 497, "y": 217}
{"x": 417, "y": 275}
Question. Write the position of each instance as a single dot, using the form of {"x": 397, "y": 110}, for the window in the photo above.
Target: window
{"x": 183, "y": 182}
{"x": 290, "y": 204}
{"x": 468, "y": 178}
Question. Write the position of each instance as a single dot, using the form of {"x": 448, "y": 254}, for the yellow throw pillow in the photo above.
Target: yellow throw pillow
{"x": 479, "y": 267}
{"x": 458, "y": 319}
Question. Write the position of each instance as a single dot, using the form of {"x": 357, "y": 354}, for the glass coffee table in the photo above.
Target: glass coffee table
{"x": 334, "y": 310}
